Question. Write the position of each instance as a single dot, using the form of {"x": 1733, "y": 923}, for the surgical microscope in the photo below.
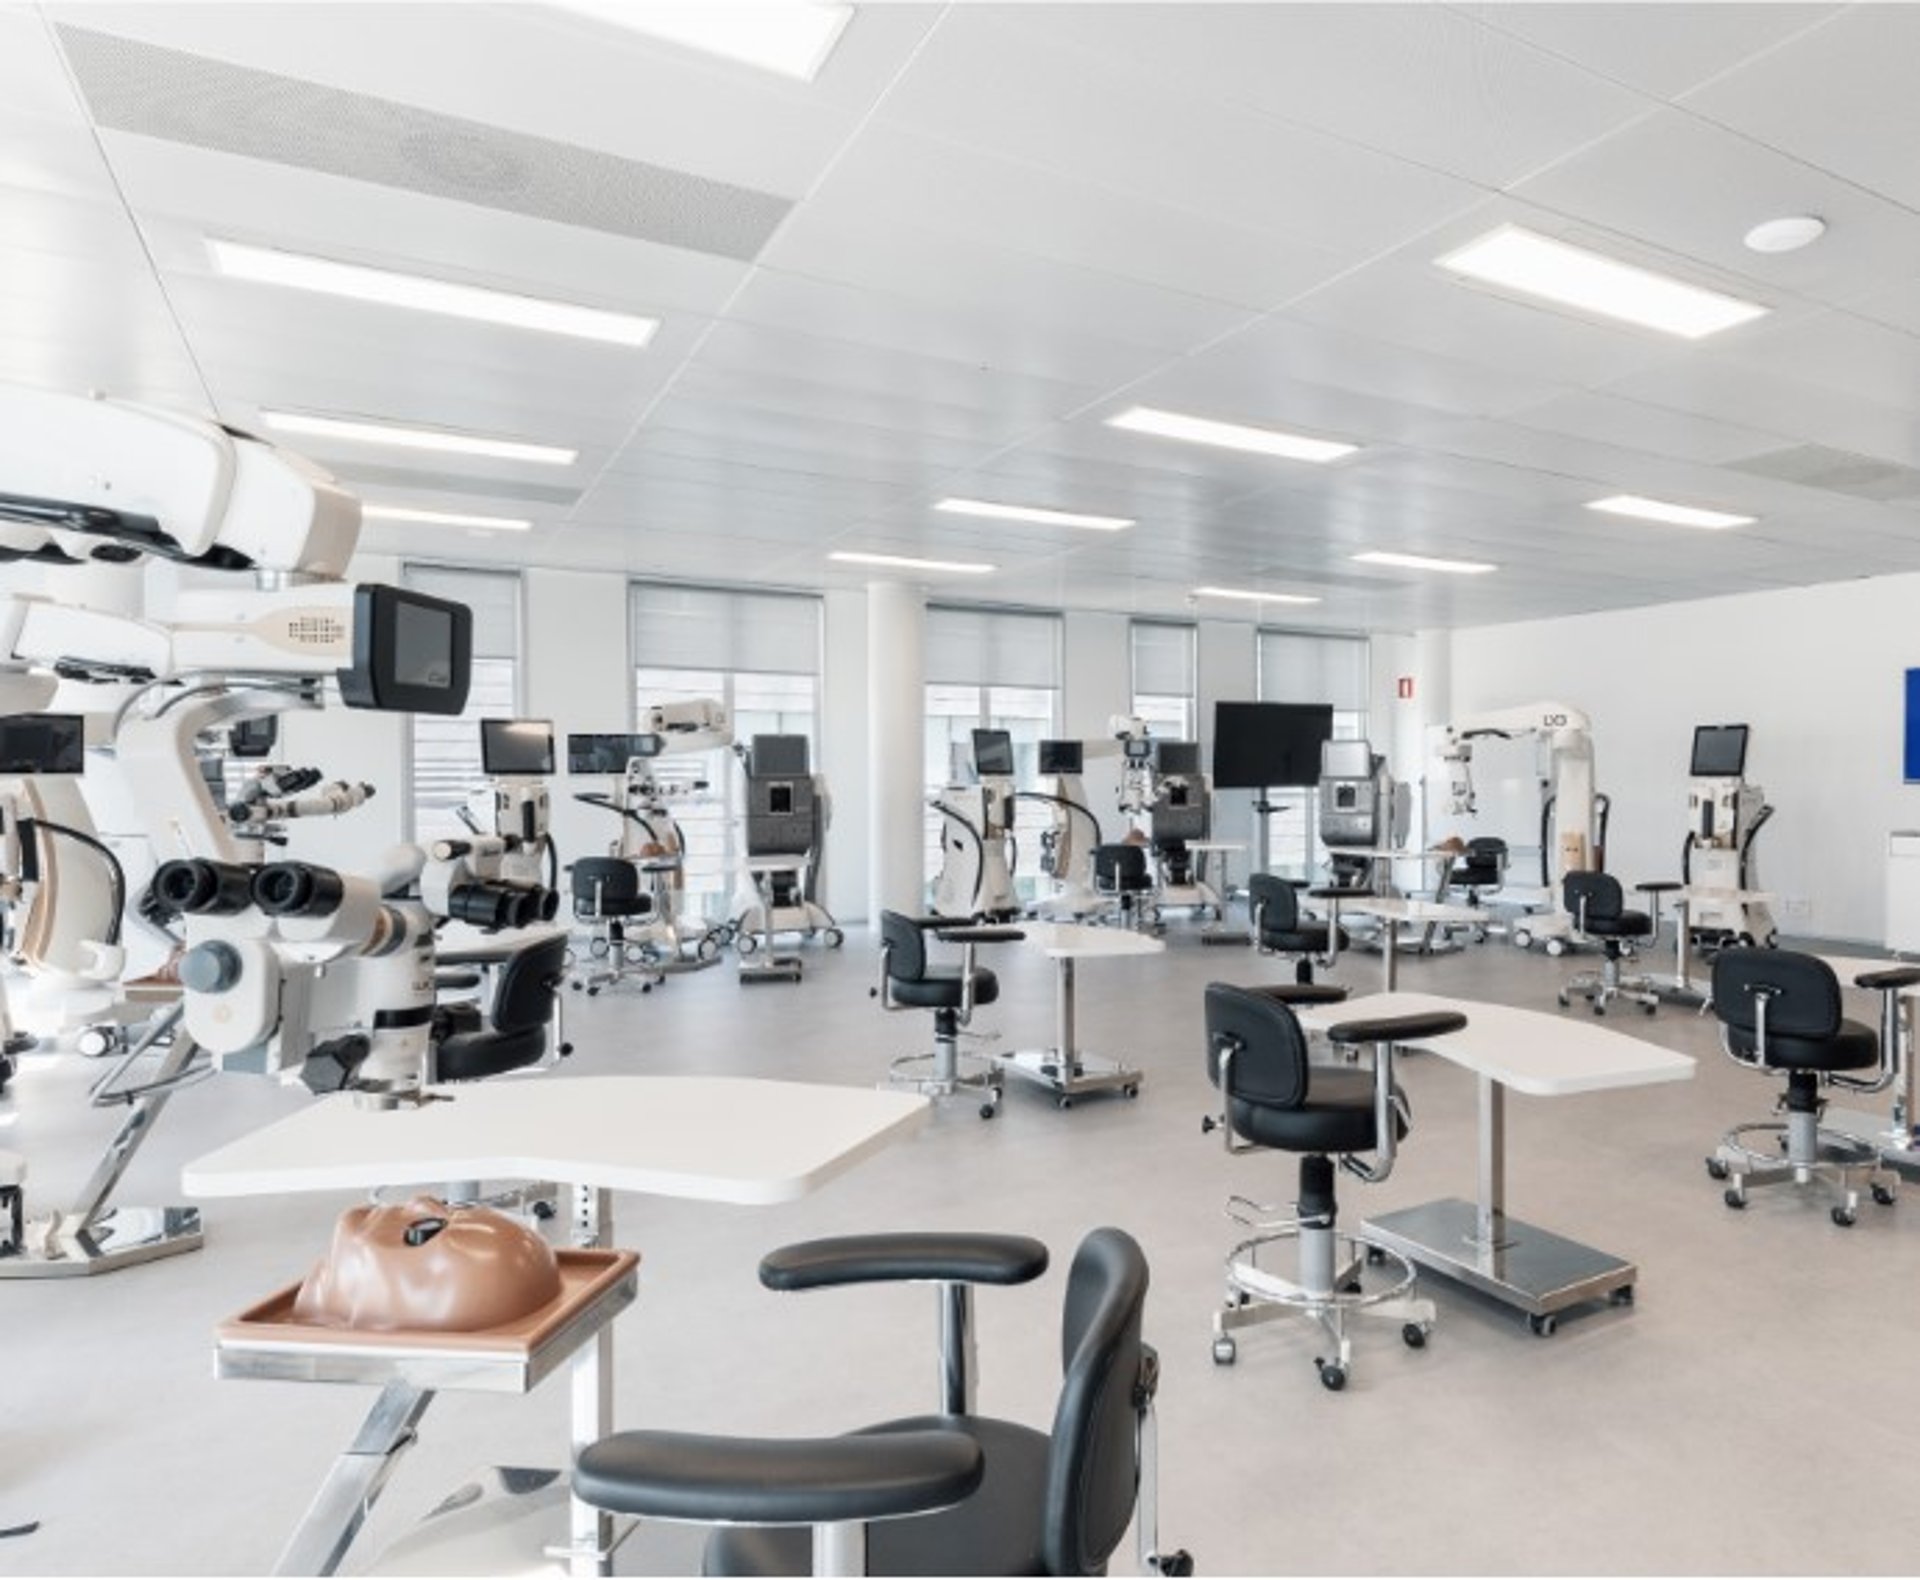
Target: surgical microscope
{"x": 977, "y": 850}
{"x": 1724, "y": 816}
{"x": 1161, "y": 783}
{"x": 1067, "y": 843}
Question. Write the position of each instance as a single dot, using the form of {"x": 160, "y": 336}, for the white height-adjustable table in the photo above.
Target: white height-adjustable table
{"x": 1529, "y": 1268}
{"x": 1394, "y": 912}
{"x": 699, "y": 1138}
{"x": 1065, "y": 1069}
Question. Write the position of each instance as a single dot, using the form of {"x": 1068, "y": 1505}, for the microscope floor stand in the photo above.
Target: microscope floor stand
{"x": 1076, "y": 1077}
{"x": 55, "y": 1247}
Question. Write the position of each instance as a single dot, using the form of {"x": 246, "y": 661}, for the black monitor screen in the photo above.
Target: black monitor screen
{"x": 1062, "y": 757}
{"x": 1346, "y": 760}
{"x": 1719, "y": 751}
{"x": 1261, "y": 745}
{"x": 412, "y": 653}
{"x": 43, "y": 743}
{"x": 1177, "y": 757}
{"x": 993, "y": 753}
{"x": 608, "y": 754}
{"x": 1138, "y": 750}
{"x": 511, "y": 747}
{"x": 779, "y": 757}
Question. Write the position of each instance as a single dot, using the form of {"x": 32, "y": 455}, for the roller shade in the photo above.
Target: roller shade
{"x": 717, "y": 628}
{"x": 1162, "y": 659}
{"x": 1299, "y": 668}
{"x": 992, "y": 647}
{"x": 493, "y": 596}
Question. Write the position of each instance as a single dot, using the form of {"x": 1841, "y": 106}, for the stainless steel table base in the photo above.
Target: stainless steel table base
{"x": 66, "y": 1246}
{"x": 1068, "y": 1079}
{"x": 1530, "y": 1269}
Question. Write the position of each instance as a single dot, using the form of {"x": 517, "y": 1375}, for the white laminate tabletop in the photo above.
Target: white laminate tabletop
{"x": 1695, "y": 894}
{"x": 1074, "y": 941}
{"x": 1390, "y": 908}
{"x": 703, "y": 1138}
{"x": 1530, "y": 1051}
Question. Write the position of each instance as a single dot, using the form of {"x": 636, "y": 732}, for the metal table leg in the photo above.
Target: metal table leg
{"x": 590, "y": 1377}
{"x": 1390, "y": 949}
{"x": 320, "y": 1541}
{"x": 1064, "y": 1069}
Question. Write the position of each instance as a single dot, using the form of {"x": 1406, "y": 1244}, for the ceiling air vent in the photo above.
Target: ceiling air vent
{"x": 1837, "y": 471}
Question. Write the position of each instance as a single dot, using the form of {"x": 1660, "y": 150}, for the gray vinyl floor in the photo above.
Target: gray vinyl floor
{"x": 1751, "y": 1413}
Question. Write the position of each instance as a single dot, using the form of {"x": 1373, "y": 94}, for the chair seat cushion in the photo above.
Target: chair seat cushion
{"x": 1628, "y": 924}
{"x": 995, "y": 1532}
{"x": 1309, "y": 938}
{"x": 475, "y": 1055}
{"x": 939, "y": 988}
{"x": 1853, "y": 1047}
{"x": 1336, "y": 1117}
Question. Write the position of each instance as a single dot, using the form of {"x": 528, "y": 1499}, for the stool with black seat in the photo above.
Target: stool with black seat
{"x": 1481, "y": 869}
{"x": 1039, "y": 1503}
{"x": 1279, "y": 928}
{"x": 1598, "y": 907}
{"x": 517, "y": 1028}
{"x": 1780, "y": 1013}
{"x": 909, "y": 981}
{"x": 607, "y": 895}
{"x": 1277, "y": 1097}
{"x": 1122, "y": 872}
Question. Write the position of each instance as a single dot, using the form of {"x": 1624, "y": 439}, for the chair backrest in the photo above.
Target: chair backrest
{"x": 906, "y": 947}
{"x": 525, "y": 995}
{"x": 1600, "y": 891}
{"x": 1269, "y": 1048}
{"x": 1119, "y": 866}
{"x": 1806, "y": 998}
{"x": 1274, "y": 899}
{"x": 1484, "y": 862}
{"x": 1093, "y": 1469}
{"x": 603, "y": 878}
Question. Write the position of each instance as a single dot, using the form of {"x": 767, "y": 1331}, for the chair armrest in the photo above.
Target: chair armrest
{"x": 905, "y": 1258}
{"x": 793, "y": 1481}
{"x": 1398, "y": 1028}
{"x": 933, "y": 924}
{"x": 1336, "y": 892}
{"x": 1886, "y": 981}
{"x": 1301, "y": 992}
{"x": 979, "y": 935}
{"x": 1662, "y": 886}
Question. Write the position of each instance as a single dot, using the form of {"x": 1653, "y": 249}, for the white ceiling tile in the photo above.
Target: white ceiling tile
{"x": 1840, "y": 97}
{"x": 1838, "y": 351}
{"x": 32, "y": 82}
{"x": 1659, "y": 49}
{"x": 1607, "y": 419}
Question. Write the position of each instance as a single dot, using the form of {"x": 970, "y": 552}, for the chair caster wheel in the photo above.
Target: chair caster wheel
{"x": 1542, "y": 1325}
{"x": 577, "y": 986}
{"x": 1735, "y": 1200}
{"x": 988, "y": 1110}
{"x": 1882, "y": 1197}
{"x": 566, "y": 1050}
{"x": 1175, "y": 1563}
{"x": 1414, "y": 1335}
{"x": 1333, "y": 1376}
{"x": 1564, "y": 1001}
{"x": 1063, "y": 1102}
{"x": 1599, "y": 1009}
{"x": 1844, "y": 1217}
{"x": 1648, "y": 1009}
{"x": 1716, "y": 1170}
{"x": 1129, "y": 1091}
{"x": 835, "y": 938}
{"x": 545, "y": 1211}
{"x": 1225, "y": 1351}
{"x": 1623, "y": 1296}
{"x": 593, "y": 992}
{"x": 1351, "y": 1287}
{"x": 1375, "y": 1256}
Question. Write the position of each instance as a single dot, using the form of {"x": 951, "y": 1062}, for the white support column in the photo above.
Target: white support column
{"x": 896, "y": 726}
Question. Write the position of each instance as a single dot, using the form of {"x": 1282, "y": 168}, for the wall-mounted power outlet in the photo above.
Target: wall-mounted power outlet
{"x": 1797, "y": 909}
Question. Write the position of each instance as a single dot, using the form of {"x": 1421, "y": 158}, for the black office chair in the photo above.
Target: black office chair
{"x": 1598, "y": 907}
{"x": 1780, "y": 1013}
{"x": 1122, "y": 872}
{"x": 1275, "y": 1096}
{"x": 1481, "y": 869}
{"x": 514, "y": 1032}
{"x": 1005, "y": 1499}
{"x": 909, "y": 981}
{"x": 607, "y": 895}
{"x": 1280, "y": 929}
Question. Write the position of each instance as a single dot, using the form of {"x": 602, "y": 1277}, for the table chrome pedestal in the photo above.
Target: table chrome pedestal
{"x": 1064, "y": 1069}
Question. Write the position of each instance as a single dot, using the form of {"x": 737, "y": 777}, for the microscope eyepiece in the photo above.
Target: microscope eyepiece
{"x": 296, "y": 888}
{"x": 197, "y": 887}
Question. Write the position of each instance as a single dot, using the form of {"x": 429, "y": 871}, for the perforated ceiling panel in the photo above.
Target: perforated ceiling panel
{"x": 203, "y": 103}
{"x": 1838, "y": 471}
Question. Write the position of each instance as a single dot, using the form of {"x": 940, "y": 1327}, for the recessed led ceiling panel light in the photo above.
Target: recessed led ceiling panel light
{"x": 908, "y": 563}
{"x": 357, "y": 282}
{"x": 1247, "y": 595}
{"x": 1556, "y": 271}
{"x": 792, "y": 39}
{"x": 1424, "y": 562}
{"x": 355, "y": 430}
{"x": 1037, "y": 514}
{"x": 1673, "y": 515}
{"x": 1229, "y": 435}
{"x": 442, "y": 518}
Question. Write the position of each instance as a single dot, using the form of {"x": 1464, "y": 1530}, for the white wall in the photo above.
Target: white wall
{"x": 1096, "y": 671}
{"x": 1818, "y": 673}
{"x": 1229, "y": 664}
{"x": 846, "y": 872}
{"x": 576, "y": 672}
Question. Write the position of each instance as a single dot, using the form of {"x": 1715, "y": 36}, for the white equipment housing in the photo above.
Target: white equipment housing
{"x": 1723, "y": 817}
{"x": 976, "y": 829}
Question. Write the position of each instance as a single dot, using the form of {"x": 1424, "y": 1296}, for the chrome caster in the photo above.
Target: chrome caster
{"x": 1225, "y": 1351}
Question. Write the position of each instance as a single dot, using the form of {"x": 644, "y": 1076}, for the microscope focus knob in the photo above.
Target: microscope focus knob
{"x": 210, "y": 968}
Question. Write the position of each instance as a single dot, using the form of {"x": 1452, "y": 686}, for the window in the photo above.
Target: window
{"x": 759, "y": 654}
{"x": 446, "y": 750}
{"x": 1295, "y": 667}
{"x": 991, "y": 669}
{"x": 1164, "y": 692}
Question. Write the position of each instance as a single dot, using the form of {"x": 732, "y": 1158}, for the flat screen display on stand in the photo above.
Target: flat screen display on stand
{"x": 43, "y": 743}
{"x": 1719, "y": 751}
{"x": 1269, "y": 745}
{"x": 993, "y": 753}
{"x": 1177, "y": 757}
{"x": 516, "y": 748}
{"x": 1346, "y": 760}
{"x": 1062, "y": 757}
{"x": 608, "y": 754}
